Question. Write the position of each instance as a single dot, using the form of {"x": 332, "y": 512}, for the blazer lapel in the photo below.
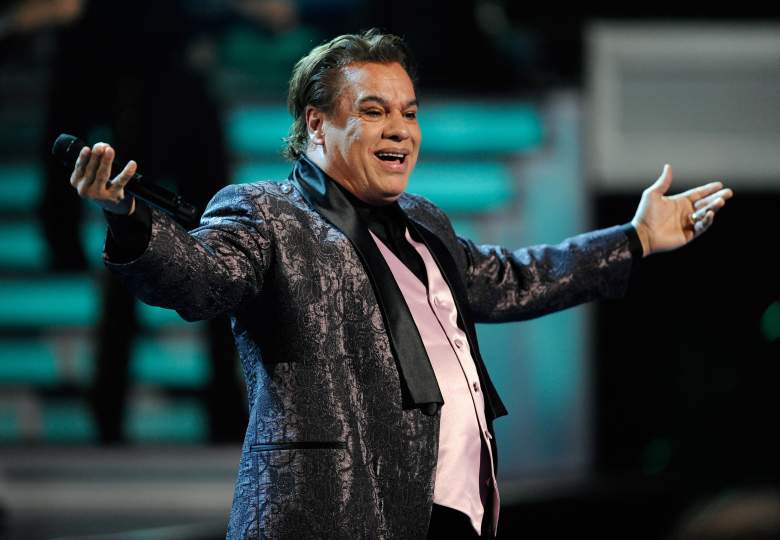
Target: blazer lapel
{"x": 419, "y": 381}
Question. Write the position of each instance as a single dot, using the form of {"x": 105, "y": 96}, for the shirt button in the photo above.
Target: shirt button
{"x": 459, "y": 343}
{"x": 475, "y": 386}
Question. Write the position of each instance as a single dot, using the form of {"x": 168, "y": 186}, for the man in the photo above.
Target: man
{"x": 353, "y": 307}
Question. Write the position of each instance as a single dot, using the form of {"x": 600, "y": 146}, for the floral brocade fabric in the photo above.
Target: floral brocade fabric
{"x": 330, "y": 451}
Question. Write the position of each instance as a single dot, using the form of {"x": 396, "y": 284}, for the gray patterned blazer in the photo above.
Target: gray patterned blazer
{"x": 343, "y": 429}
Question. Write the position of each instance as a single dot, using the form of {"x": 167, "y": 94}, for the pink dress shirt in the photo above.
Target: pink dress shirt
{"x": 464, "y": 470}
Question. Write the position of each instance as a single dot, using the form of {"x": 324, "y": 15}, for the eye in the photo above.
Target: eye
{"x": 410, "y": 115}
{"x": 373, "y": 113}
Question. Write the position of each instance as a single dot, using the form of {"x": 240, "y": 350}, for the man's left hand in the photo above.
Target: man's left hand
{"x": 665, "y": 223}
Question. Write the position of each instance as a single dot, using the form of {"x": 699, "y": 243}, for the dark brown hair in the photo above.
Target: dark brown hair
{"x": 316, "y": 78}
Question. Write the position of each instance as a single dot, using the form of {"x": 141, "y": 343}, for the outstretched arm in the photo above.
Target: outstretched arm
{"x": 512, "y": 285}
{"x": 215, "y": 268}
{"x": 506, "y": 285}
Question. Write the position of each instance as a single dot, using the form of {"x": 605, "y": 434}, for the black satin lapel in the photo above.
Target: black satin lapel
{"x": 413, "y": 362}
{"x": 449, "y": 270}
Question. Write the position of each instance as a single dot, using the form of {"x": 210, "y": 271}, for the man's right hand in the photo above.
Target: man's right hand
{"x": 91, "y": 179}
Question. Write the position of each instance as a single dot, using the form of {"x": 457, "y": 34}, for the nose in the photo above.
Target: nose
{"x": 395, "y": 128}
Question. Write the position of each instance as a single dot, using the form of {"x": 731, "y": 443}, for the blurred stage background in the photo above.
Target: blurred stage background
{"x": 624, "y": 415}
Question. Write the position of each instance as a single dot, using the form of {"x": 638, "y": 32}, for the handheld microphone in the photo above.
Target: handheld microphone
{"x": 66, "y": 149}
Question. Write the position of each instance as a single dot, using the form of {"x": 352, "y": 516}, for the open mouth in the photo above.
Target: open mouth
{"x": 391, "y": 156}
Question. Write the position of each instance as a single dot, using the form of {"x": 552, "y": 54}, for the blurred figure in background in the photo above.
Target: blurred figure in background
{"x": 124, "y": 67}
{"x": 139, "y": 72}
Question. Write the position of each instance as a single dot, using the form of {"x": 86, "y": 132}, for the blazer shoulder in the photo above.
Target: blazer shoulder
{"x": 262, "y": 194}
{"x": 260, "y": 188}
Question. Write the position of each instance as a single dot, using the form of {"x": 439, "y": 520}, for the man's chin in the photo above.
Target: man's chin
{"x": 387, "y": 189}
{"x": 392, "y": 195}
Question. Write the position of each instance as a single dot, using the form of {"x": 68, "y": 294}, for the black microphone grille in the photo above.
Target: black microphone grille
{"x": 66, "y": 148}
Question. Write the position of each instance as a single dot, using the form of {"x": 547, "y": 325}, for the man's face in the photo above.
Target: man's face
{"x": 369, "y": 143}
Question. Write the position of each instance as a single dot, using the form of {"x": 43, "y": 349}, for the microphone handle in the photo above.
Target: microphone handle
{"x": 165, "y": 200}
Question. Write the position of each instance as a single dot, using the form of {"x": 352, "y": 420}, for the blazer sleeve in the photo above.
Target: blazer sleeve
{"x": 213, "y": 269}
{"x": 512, "y": 285}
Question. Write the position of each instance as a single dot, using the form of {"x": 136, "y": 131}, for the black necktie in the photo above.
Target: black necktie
{"x": 388, "y": 223}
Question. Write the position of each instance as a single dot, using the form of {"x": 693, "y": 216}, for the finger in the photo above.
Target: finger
{"x": 704, "y": 223}
{"x": 104, "y": 169}
{"x": 80, "y": 166}
{"x": 94, "y": 160}
{"x": 706, "y": 201}
{"x": 124, "y": 177}
{"x": 700, "y": 192}
{"x": 699, "y": 214}
{"x": 664, "y": 181}
{"x": 714, "y": 206}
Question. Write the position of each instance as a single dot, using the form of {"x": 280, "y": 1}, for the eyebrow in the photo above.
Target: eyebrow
{"x": 385, "y": 103}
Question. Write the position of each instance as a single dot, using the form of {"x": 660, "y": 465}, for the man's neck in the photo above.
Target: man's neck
{"x": 317, "y": 156}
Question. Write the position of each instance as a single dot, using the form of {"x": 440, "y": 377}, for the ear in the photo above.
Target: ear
{"x": 314, "y": 122}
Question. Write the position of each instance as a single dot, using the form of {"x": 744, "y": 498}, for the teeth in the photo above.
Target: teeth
{"x": 390, "y": 154}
